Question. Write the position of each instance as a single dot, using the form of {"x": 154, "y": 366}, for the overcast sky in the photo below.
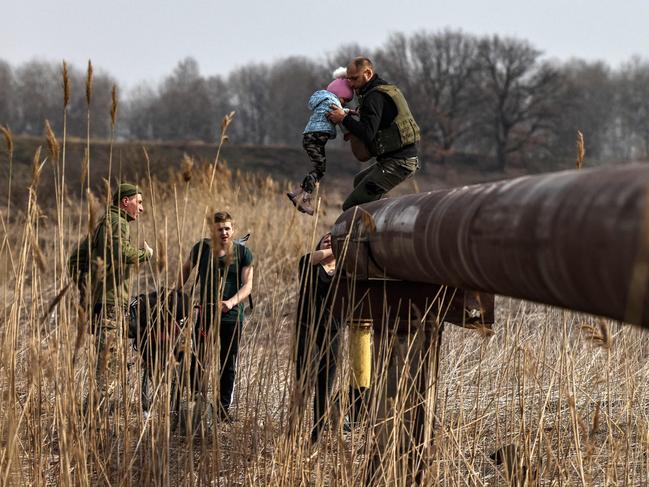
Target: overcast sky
{"x": 142, "y": 40}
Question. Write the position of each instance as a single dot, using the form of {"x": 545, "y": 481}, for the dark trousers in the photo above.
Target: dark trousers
{"x": 314, "y": 146}
{"x": 229, "y": 335}
{"x": 315, "y": 366}
{"x": 374, "y": 181}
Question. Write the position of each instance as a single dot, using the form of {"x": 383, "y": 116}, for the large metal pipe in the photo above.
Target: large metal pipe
{"x": 575, "y": 239}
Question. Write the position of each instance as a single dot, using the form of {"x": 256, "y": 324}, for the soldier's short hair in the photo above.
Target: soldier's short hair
{"x": 361, "y": 62}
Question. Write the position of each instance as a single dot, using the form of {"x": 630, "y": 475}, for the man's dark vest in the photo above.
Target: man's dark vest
{"x": 403, "y": 130}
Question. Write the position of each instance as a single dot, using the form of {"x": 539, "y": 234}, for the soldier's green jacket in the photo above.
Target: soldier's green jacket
{"x": 112, "y": 244}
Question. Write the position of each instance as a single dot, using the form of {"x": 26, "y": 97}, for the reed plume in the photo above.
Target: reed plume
{"x": 52, "y": 144}
{"x": 94, "y": 210}
{"x": 225, "y": 123}
{"x": 66, "y": 86}
{"x": 113, "y": 106}
{"x": 581, "y": 149}
{"x": 84, "y": 165}
{"x": 89, "y": 83}
{"x": 37, "y": 166}
{"x": 187, "y": 166}
{"x": 9, "y": 142}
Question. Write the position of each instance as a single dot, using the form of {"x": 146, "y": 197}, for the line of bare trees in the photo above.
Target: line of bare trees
{"x": 489, "y": 96}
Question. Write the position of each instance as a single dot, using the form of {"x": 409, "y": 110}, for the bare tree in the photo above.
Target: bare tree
{"x": 183, "y": 109}
{"x": 220, "y": 102}
{"x": 252, "y": 101}
{"x": 633, "y": 108}
{"x": 7, "y": 94}
{"x": 588, "y": 107}
{"x": 393, "y": 62}
{"x": 291, "y": 82}
{"x": 345, "y": 53}
{"x": 522, "y": 97}
{"x": 140, "y": 112}
{"x": 444, "y": 68}
{"x": 100, "y": 102}
{"x": 38, "y": 97}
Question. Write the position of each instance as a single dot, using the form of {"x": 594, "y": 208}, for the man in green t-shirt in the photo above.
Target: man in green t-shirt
{"x": 224, "y": 274}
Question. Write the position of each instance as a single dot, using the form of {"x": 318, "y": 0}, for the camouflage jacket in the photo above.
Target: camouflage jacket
{"x": 113, "y": 255}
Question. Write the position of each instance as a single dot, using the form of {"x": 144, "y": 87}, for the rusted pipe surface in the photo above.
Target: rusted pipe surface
{"x": 570, "y": 239}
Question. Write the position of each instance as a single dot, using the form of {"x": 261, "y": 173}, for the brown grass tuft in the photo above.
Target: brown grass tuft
{"x": 9, "y": 141}
{"x": 485, "y": 331}
{"x": 55, "y": 302}
{"x": 84, "y": 165}
{"x": 599, "y": 335}
{"x": 161, "y": 253}
{"x": 108, "y": 193}
{"x": 82, "y": 323}
{"x": 581, "y": 149}
{"x": 225, "y": 123}
{"x": 52, "y": 143}
{"x": 94, "y": 210}
{"x": 595, "y": 424}
{"x": 36, "y": 168}
{"x": 37, "y": 253}
{"x": 187, "y": 166}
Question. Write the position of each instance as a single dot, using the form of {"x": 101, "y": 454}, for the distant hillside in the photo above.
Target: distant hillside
{"x": 282, "y": 163}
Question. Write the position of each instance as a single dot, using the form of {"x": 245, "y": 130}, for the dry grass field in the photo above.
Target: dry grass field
{"x": 561, "y": 395}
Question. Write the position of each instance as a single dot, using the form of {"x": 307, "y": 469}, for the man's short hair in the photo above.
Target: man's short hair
{"x": 222, "y": 217}
{"x": 361, "y": 62}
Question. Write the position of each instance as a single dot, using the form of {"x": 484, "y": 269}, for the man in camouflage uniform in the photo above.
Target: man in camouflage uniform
{"x": 113, "y": 256}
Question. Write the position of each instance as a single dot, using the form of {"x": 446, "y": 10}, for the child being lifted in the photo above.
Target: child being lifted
{"x": 316, "y": 134}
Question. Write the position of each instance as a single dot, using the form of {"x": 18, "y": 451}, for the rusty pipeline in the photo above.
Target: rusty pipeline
{"x": 574, "y": 239}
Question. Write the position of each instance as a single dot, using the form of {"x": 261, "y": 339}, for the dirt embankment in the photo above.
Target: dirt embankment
{"x": 127, "y": 161}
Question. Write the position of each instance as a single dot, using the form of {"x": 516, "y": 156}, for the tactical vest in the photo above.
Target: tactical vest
{"x": 403, "y": 130}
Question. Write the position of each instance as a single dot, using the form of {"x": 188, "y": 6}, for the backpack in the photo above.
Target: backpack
{"x": 80, "y": 259}
{"x": 157, "y": 315}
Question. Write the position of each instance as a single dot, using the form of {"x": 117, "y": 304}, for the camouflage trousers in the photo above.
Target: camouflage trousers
{"x": 314, "y": 146}
{"x": 373, "y": 182}
{"x": 110, "y": 346}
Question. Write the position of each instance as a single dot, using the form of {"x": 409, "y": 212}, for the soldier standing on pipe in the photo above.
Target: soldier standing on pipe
{"x": 385, "y": 127}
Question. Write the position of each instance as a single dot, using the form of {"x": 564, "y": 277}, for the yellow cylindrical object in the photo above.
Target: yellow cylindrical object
{"x": 360, "y": 353}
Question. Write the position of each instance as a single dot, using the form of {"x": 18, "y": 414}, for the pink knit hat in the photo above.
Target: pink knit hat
{"x": 340, "y": 87}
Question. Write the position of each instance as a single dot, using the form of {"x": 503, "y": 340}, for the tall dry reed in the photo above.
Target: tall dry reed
{"x": 558, "y": 397}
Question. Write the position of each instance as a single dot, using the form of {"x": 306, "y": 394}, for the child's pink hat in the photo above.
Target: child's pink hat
{"x": 340, "y": 86}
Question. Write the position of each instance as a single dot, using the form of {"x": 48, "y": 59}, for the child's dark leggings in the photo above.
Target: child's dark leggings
{"x": 314, "y": 145}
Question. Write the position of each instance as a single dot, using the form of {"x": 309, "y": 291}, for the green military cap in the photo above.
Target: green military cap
{"x": 125, "y": 189}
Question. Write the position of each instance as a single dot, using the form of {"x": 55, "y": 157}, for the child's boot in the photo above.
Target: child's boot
{"x": 295, "y": 196}
{"x": 304, "y": 203}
